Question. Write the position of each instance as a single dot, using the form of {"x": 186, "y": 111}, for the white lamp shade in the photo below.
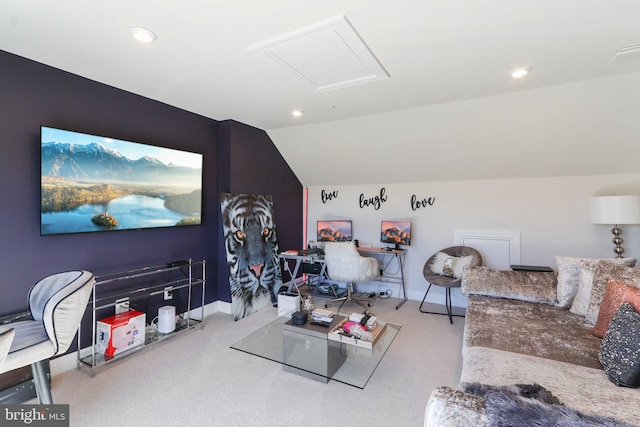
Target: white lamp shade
{"x": 614, "y": 210}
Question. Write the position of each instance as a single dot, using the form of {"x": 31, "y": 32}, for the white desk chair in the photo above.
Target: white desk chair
{"x": 57, "y": 304}
{"x": 344, "y": 264}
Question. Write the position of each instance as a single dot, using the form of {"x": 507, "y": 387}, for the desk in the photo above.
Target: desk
{"x": 381, "y": 254}
{"x": 292, "y": 255}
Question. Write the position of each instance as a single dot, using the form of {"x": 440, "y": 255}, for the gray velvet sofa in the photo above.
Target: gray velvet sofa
{"x": 517, "y": 332}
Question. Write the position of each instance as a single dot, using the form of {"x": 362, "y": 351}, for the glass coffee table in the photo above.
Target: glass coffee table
{"x": 306, "y": 350}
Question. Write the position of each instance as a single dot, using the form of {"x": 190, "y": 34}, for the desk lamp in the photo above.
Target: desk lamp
{"x": 615, "y": 210}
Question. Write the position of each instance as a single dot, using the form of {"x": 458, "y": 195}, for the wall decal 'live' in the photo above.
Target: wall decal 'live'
{"x": 417, "y": 204}
{"x": 328, "y": 196}
{"x": 375, "y": 201}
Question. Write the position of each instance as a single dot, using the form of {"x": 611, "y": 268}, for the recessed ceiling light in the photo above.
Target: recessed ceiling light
{"x": 142, "y": 34}
{"x": 520, "y": 72}
{"x": 297, "y": 113}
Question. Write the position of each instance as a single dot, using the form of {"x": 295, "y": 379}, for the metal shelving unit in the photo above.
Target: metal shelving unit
{"x": 139, "y": 284}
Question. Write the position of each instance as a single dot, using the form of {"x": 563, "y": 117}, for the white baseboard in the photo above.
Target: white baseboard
{"x": 216, "y": 307}
{"x": 69, "y": 361}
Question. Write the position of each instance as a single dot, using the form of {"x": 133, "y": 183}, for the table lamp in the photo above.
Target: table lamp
{"x": 615, "y": 210}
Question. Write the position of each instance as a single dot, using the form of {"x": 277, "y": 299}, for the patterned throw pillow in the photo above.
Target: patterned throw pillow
{"x": 454, "y": 266}
{"x": 616, "y": 294}
{"x": 569, "y": 269}
{"x": 620, "y": 351}
{"x": 450, "y": 266}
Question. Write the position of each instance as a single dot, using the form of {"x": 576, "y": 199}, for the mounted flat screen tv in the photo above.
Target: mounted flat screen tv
{"x": 396, "y": 232}
{"x": 93, "y": 183}
{"x": 334, "y": 231}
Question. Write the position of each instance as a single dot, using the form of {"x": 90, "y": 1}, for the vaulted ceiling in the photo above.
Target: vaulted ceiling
{"x": 446, "y": 107}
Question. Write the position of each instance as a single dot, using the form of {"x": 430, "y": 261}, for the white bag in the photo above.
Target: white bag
{"x": 288, "y": 302}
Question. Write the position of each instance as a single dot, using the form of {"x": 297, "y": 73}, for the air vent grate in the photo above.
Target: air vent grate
{"x": 327, "y": 56}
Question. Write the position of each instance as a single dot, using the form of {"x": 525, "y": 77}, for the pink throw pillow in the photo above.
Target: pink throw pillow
{"x": 615, "y": 294}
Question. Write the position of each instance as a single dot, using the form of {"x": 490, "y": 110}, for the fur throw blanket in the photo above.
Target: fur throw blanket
{"x": 531, "y": 391}
{"x": 532, "y": 405}
{"x": 508, "y": 410}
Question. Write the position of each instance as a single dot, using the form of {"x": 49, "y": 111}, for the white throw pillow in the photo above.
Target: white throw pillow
{"x": 438, "y": 263}
{"x": 580, "y": 303}
{"x": 568, "y": 279}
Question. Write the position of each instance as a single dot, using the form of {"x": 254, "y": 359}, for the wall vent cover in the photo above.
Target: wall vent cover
{"x": 326, "y": 56}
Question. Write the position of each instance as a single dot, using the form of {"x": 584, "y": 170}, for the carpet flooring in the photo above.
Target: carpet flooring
{"x": 196, "y": 379}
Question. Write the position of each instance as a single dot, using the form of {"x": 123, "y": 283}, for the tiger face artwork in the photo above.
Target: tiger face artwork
{"x": 252, "y": 251}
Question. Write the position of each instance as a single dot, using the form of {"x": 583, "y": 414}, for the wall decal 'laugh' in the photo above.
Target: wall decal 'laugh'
{"x": 375, "y": 201}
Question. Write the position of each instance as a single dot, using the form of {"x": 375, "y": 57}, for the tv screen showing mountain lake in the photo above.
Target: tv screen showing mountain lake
{"x": 91, "y": 183}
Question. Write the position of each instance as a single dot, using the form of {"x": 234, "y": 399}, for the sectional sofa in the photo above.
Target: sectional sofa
{"x": 529, "y": 331}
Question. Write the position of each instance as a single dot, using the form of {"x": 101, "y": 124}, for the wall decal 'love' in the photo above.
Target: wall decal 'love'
{"x": 417, "y": 204}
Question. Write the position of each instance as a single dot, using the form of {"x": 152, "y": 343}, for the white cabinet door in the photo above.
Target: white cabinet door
{"x": 499, "y": 249}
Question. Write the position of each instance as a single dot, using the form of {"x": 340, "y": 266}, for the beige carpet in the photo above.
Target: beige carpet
{"x": 196, "y": 379}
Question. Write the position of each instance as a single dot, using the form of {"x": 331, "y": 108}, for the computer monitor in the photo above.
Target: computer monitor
{"x": 338, "y": 230}
{"x": 396, "y": 232}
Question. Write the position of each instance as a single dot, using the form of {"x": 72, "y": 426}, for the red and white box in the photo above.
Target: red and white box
{"x": 119, "y": 333}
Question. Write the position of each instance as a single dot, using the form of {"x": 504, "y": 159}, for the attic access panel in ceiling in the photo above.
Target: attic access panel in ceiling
{"x": 327, "y": 56}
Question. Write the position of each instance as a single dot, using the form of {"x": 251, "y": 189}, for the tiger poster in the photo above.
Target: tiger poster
{"x": 252, "y": 251}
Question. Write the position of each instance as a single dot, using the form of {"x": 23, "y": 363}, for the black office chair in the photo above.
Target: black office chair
{"x": 445, "y": 281}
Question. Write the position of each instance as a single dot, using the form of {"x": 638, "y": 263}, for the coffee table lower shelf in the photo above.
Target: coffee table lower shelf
{"x": 307, "y": 351}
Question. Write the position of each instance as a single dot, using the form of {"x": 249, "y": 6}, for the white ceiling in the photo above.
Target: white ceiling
{"x": 448, "y": 61}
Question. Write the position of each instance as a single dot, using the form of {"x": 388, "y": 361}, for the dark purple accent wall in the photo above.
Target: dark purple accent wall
{"x": 33, "y": 94}
{"x": 251, "y": 164}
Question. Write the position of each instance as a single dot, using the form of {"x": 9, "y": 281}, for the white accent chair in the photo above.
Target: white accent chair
{"x": 344, "y": 264}
{"x": 57, "y": 304}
